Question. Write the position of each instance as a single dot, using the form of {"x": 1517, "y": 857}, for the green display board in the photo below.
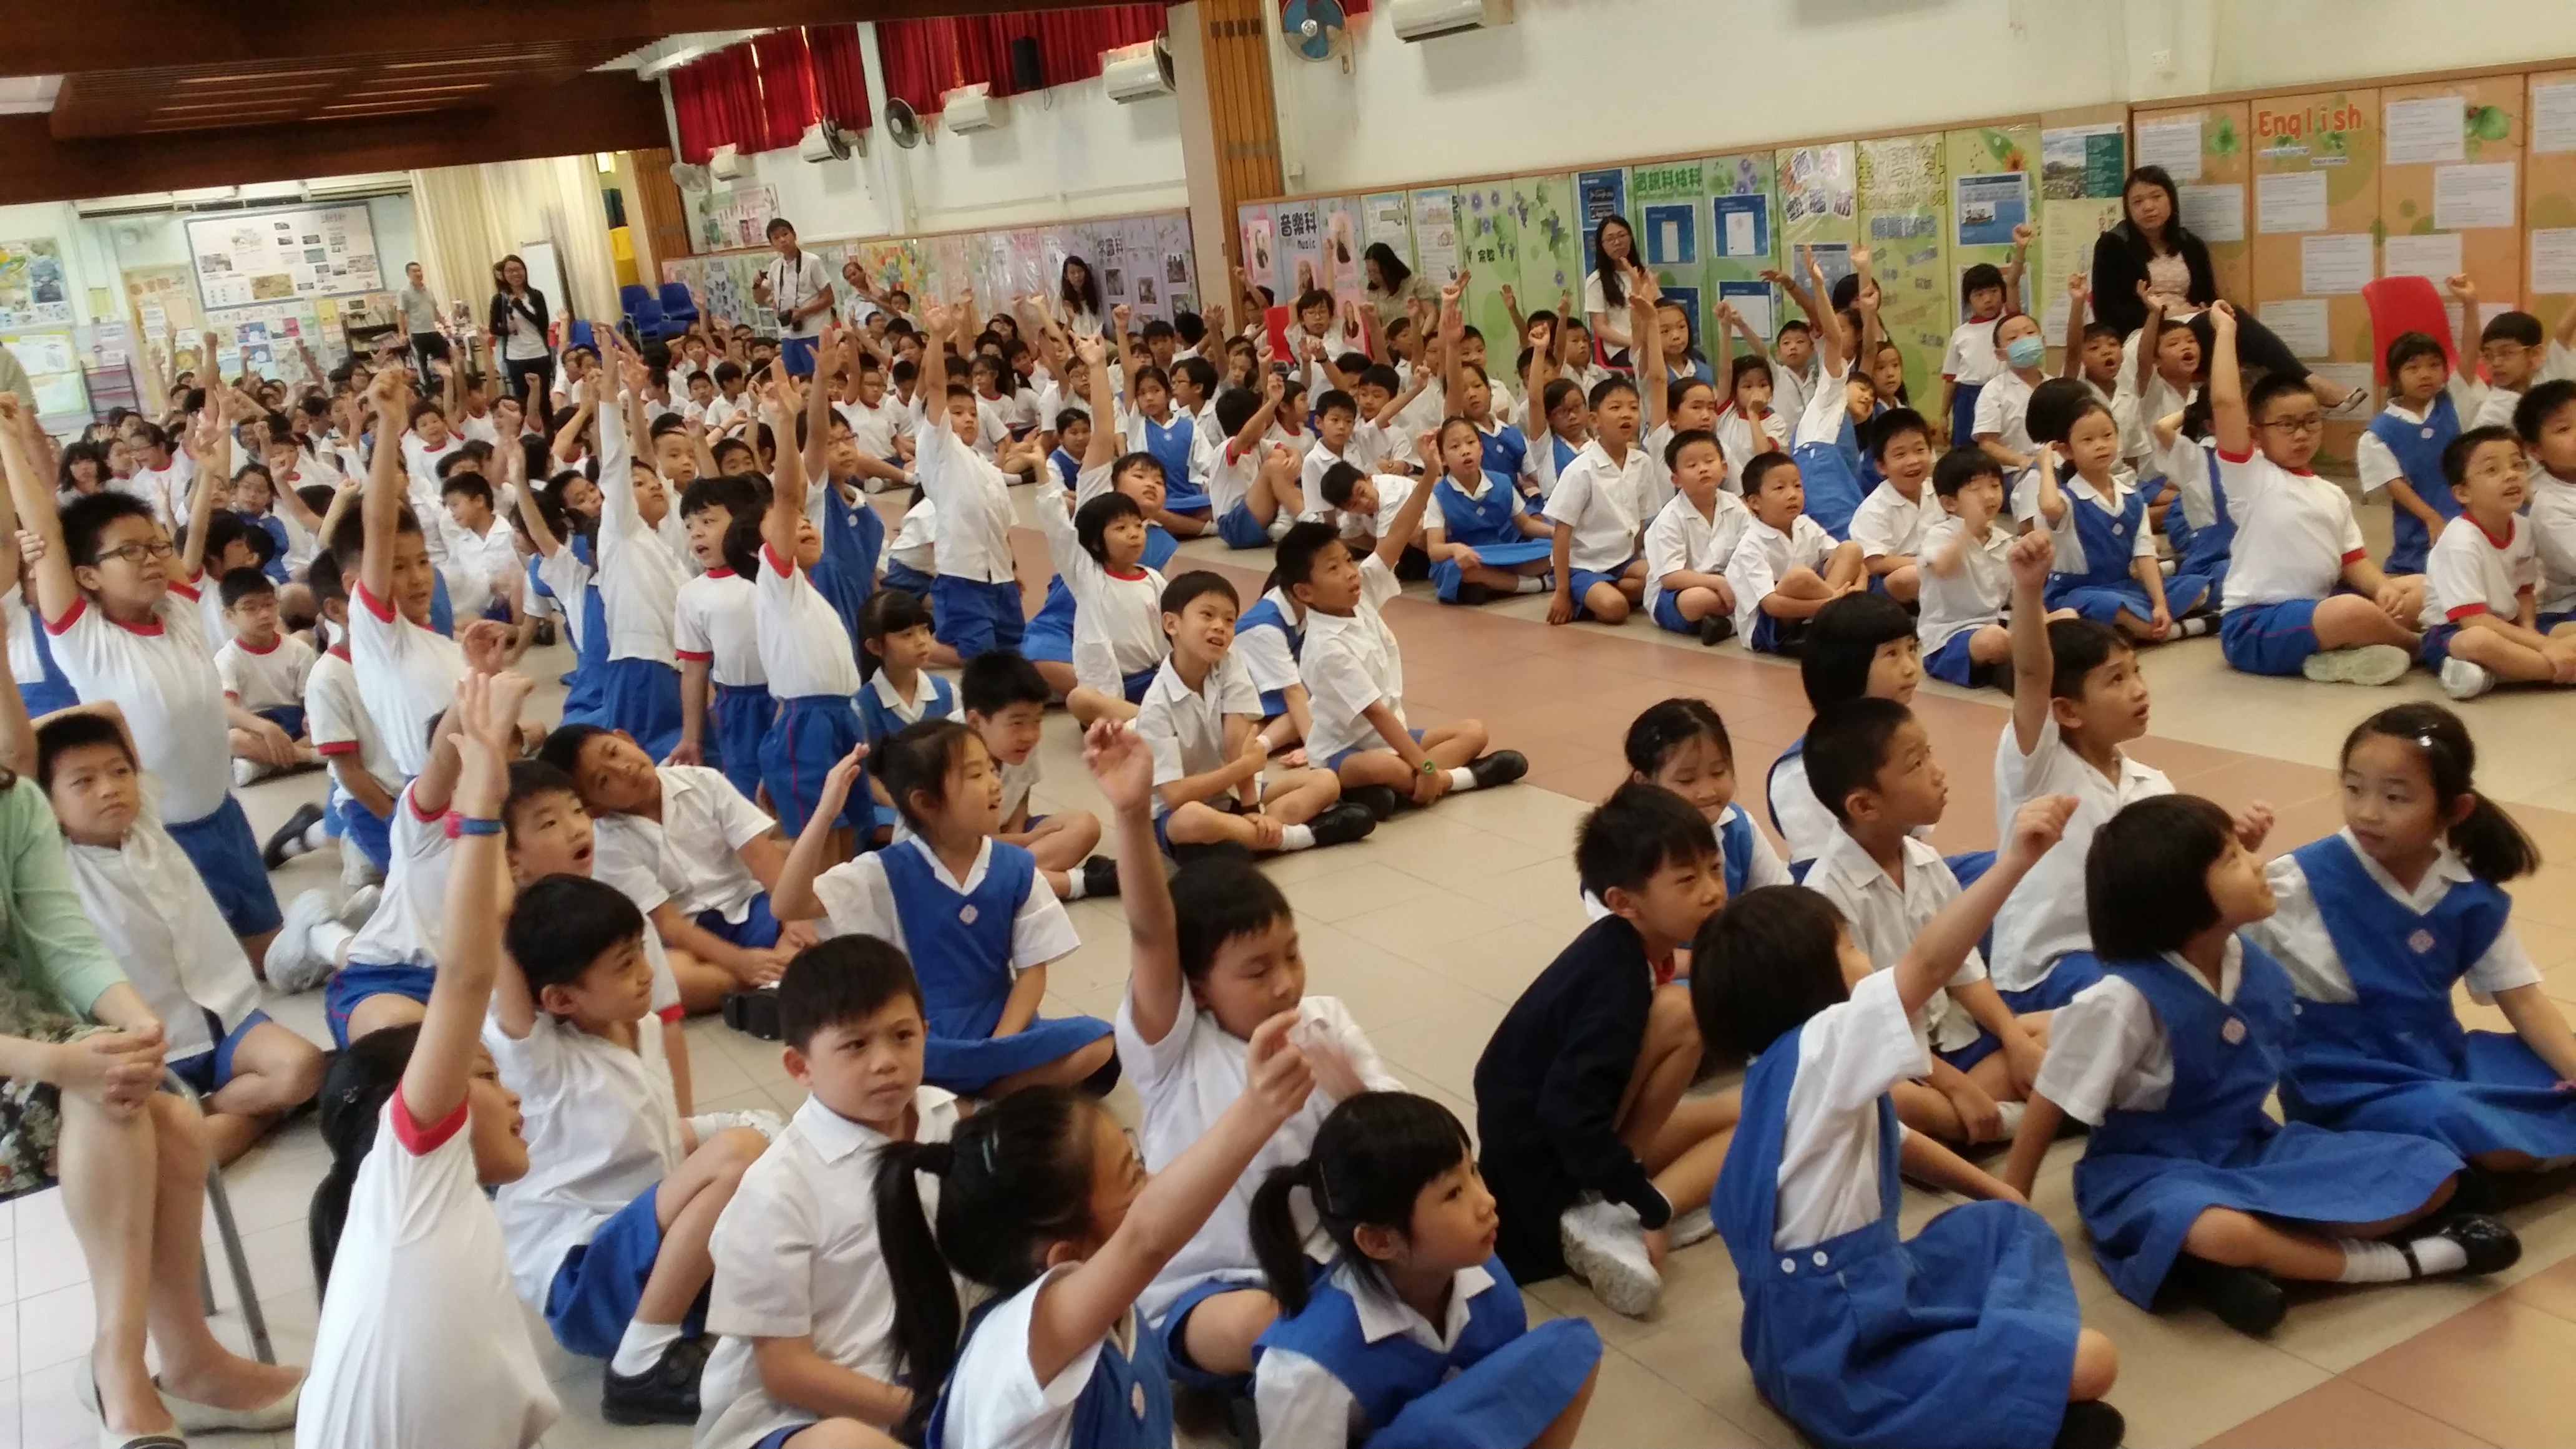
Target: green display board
{"x": 1901, "y": 182}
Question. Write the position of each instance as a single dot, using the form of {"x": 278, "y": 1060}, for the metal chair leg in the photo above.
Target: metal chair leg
{"x": 229, "y": 1232}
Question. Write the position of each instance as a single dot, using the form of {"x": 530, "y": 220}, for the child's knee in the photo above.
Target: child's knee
{"x": 2224, "y": 1235}
{"x": 178, "y": 1133}
{"x": 732, "y": 1151}
{"x": 1606, "y": 603}
{"x": 1670, "y": 1024}
{"x": 2097, "y": 1366}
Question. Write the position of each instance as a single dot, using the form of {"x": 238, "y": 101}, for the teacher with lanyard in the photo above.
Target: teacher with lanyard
{"x": 800, "y": 289}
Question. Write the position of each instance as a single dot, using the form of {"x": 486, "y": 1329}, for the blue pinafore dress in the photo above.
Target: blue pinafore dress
{"x": 2418, "y": 449}
{"x": 854, "y": 534}
{"x": 2145, "y": 1177}
{"x": 1126, "y": 1403}
{"x": 1830, "y": 473}
{"x": 2397, "y": 1059}
{"x": 960, "y": 946}
{"x": 586, "y": 688}
{"x": 1485, "y": 525}
{"x": 1962, "y": 1335}
{"x": 1170, "y": 445}
{"x": 1265, "y": 613}
{"x": 1501, "y": 1384}
{"x": 1505, "y": 451}
{"x": 2204, "y": 550}
{"x": 2105, "y": 586}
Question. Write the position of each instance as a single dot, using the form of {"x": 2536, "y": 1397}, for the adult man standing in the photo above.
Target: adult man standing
{"x": 420, "y": 317}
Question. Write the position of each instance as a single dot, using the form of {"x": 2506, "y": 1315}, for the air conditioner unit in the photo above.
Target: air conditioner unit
{"x": 727, "y": 165}
{"x": 372, "y": 183}
{"x": 974, "y": 108}
{"x": 1430, "y": 19}
{"x": 1137, "y": 72}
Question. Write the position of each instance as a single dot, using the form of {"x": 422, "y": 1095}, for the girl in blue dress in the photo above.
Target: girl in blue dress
{"x": 2106, "y": 568}
{"x": 2379, "y": 921}
{"x": 1414, "y": 1337}
{"x": 1042, "y": 1201}
{"x": 1483, "y": 541}
{"x": 1967, "y": 1334}
{"x": 2190, "y": 1190}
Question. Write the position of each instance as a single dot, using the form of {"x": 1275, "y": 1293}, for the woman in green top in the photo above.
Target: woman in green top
{"x": 80, "y": 1072}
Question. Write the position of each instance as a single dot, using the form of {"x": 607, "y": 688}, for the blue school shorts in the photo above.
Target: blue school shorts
{"x": 976, "y": 618}
{"x": 442, "y": 609}
{"x": 1951, "y": 663}
{"x": 598, "y": 1284}
{"x": 777, "y": 1438}
{"x": 1170, "y": 1328}
{"x": 1335, "y": 762}
{"x": 2542, "y": 622}
{"x": 742, "y": 715}
{"x": 2274, "y": 639}
{"x": 798, "y": 354}
{"x": 208, "y": 1071}
{"x": 756, "y": 931}
{"x": 911, "y": 580}
{"x": 642, "y": 697}
{"x": 1584, "y": 579}
{"x": 288, "y": 717}
{"x": 354, "y": 983}
{"x": 1773, "y": 636}
{"x": 1133, "y": 686}
{"x": 372, "y": 832}
{"x": 1986, "y": 1045}
{"x": 813, "y": 732}
{"x": 2437, "y": 645}
{"x": 226, "y": 854}
{"x": 1668, "y": 613}
{"x": 1240, "y": 529}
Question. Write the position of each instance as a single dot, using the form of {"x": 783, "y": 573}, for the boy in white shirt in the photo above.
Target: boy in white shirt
{"x": 364, "y": 781}
{"x": 1339, "y": 438}
{"x": 1785, "y": 567}
{"x": 802, "y": 1296}
{"x": 1003, "y": 698}
{"x": 263, "y": 670}
{"x": 1599, "y": 574}
{"x": 976, "y": 597}
{"x": 1890, "y": 523}
{"x": 2511, "y": 345}
{"x": 1966, "y": 581}
{"x": 2481, "y": 612}
{"x": 2003, "y": 405}
{"x": 407, "y": 671}
{"x": 155, "y": 917}
{"x": 483, "y": 568}
{"x": 607, "y": 1233}
{"x": 1252, "y": 489}
{"x": 1692, "y": 537}
{"x": 2546, "y": 422}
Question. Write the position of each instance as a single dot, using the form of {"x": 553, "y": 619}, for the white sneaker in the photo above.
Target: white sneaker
{"x": 2463, "y": 680}
{"x": 353, "y": 913}
{"x": 1605, "y": 1246}
{"x": 1695, "y": 1226}
{"x": 2361, "y": 664}
{"x": 244, "y": 772}
{"x": 293, "y": 965}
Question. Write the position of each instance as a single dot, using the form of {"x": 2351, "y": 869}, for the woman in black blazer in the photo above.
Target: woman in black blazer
{"x": 521, "y": 345}
{"x": 2151, "y": 251}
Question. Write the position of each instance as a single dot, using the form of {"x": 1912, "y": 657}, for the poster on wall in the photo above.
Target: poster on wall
{"x": 1489, "y": 251}
{"x": 1816, "y": 183}
{"x": 261, "y": 257}
{"x": 164, "y": 298}
{"x": 1670, "y": 199}
{"x": 1741, "y": 228}
{"x": 1260, "y": 256}
{"x": 1339, "y": 223}
{"x": 52, "y": 361}
{"x": 1986, "y": 208}
{"x": 2079, "y": 163}
{"x": 33, "y": 288}
{"x": 1602, "y": 193}
{"x": 1300, "y": 239}
{"x": 736, "y": 218}
{"x": 1385, "y": 217}
{"x": 1900, "y": 186}
{"x": 1435, "y": 233}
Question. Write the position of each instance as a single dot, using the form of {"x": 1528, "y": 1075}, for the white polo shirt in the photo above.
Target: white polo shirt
{"x": 915, "y": 541}
{"x": 162, "y": 675}
{"x": 1117, "y": 616}
{"x": 602, "y": 1128}
{"x": 1888, "y": 524}
{"x": 1763, "y": 554}
{"x": 797, "y": 1256}
{"x": 1849, "y": 1055}
{"x": 713, "y": 622}
{"x": 479, "y": 565}
{"x": 336, "y": 720}
{"x": 2553, "y": 535}
{"x": 972, "y": 529}
{"x": 1953, "y": 604}
{"x": 798, "y": 283}
{"x": 2469, "y": 571}
{"x": 155, "y": 916}
{"x": 269, "y": 678}
{"x": 1350, "y": 663}
{"x": 804, "y": 648}
{"x": 874, "y": 429}
{"x": 689, "y": 856}
{"x": 1885, "y": 918}
{"x": 1185, "y": 727}
{"x": 1597, "y": 498}
{"x": 995, "y": 1399}
{"x": 857, "y": 901}
{"x": 2108, "y": 1051}
{"x": 406, "y": 675}
{"x": 2295, "y": 532}
{"x": 1971, "y": 357}
{"x": 1683, "y": 539}
{"x": 639, "y": 576}
{"x": 2043, "y": 918}
{"x": 1743, "y": 438}
{"x": 404, "y": 930}
{"x": 1229, "y": 476}
{"x": 2003, "y": 408}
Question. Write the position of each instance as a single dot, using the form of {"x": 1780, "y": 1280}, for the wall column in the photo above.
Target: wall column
{"x": 894, "y": 176}
{"x": 1230, "y": 129}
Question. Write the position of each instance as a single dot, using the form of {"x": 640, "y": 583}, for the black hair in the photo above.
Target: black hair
{"x": 1371, "y": 1160}
{"x": 889, "y": 611}
{"x": 1293, "y": 561}
{"x": 1844, "y": 637}
{"x": 561, "y": 925}
{"x": 471, "y": 485}
{"x": 2405, "y": 347}
{"x": 530, "y": 779}
{"x": 2268, "y": 389}
{"x": 1794, "y": 324}
{"x": 842, "y": 980}
{"x": 1847, "y": 747}
{"x": 1015, "y": 1176}
{"x": 2077, "y": 647}
{"x": 1338, "y": 482}
{"x": 742, "y": 543}
{"x": 1639, "y": 830}
{"x": 2146, "y": 876}
{"x": 1610, "y": 387}
{"x": 562, "y": 748}
{"x": 1148, "y": 373}
{"x": 1333, "y": 399}
{"x": 1762, "y": 967}
{"x": 239, "y": 584}
{"x": 1558, "y": 391}
{"x": 323, "y": 577}
{"x": 1746, "y": 364}
{"x": 1614, "y": 281}
{"x": 735, "y": 493}
{"x": 2142, "y": 246}
{"x": 349, "y": 535}
{"x": 1216, "y": 899}
{"x": 916, "y": 759}
{"x": 2097, "y": 331}
{"x": 1678, "y": 390}
{"x": 996, "y": 679}
{"x": 1200, "y": 372}
{"x": 1759, "y": 468}
{"x": 1977, "y": 279}
{"x": 1067, "y": 419}
{"x": 1234, "y": 408}
{"x": 1390, "y": 268}
{"x": 361, "y": 1080}
{"x": 1190, "y": 327}
{"x": 2516, "y": 326}
{"x": 1960, "y": 467}
{"x": 1895, "y": 423}
{"x": 728, "y": 371}
{"x": 1312, "y": 298}
{"x": 2539, "y": 405}
{"x": 1091, "y": 522}
{"x": 2457, "y": 452}
{"x": 2491, "y": 843}
{"x": 87, "y": 518}
{"x": 1156, "y": 329}
{"x": 1085, "y": 297}
{"x": 73, "y": 730}
{"x": 2051, "y": 409}
{"x": 1381, "y": 376}
{"x": 1668, "y": 725}
{"x": 1185, "y": 589}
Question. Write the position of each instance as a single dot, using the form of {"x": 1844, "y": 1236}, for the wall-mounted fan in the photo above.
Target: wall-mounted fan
{"x": 902, "y": 125}
{"x": 1313, "y": 27}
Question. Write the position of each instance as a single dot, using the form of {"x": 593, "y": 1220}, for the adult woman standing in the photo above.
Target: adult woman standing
{"x": 2152, "y": 254}
{"x": 1393, "y": 287}
{"x": 518, "y": 327}
{"x": 1614, "y": 273}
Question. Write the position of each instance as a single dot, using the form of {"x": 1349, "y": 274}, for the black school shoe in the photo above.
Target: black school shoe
{"x": 1472, "y": 593}
{"x": 2242, "y": 1298}
{"x": 2091, "y": 1424}
{"x": 1498, "y": 767}
{"x": 1099, "y": 877}
{"x": 666, "y": 1393}
{"x": 1380, "y": 801}
{"x": 1716, "y": 629}
{"x": 1347, "y": 821}
{"x": 753, "y": 1013}
{"x": 2491, "y": 1246}
{"x": 273, "y": 855}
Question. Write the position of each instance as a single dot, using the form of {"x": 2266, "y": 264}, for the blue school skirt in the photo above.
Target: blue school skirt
{"x": 811, "y": 734}
{"x": 1048, "y": 638}
{"x": 742, "y": 715}
{"x": 226, "y": 854}
{"x": 911, "y": 580}
{"x": 1963, "y": 413}
{"x": 642, "y": 697}
{"x": 1446, "y": 575}
{"x": 598, "y": 1284}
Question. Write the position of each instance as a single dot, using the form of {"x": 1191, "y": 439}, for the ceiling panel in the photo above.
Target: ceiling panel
{"x": 225, "y": 95}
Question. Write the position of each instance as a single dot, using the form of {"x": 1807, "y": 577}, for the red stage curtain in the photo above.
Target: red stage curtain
{"x": 840, "y": 77}
{"x": 926, "y": 58}
{"x": 717, "y": 102}
{"x": 786, "y": 87}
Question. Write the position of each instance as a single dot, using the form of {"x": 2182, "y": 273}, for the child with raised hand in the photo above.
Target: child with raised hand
{"x": 2401, "y": 450}
{"x": 1201, "y": 720}
{"x": 2421, "y": 865}
{"x": 1825, "y": 442}
{"x": 1043, "y": 1202}
{"x": 1099, "y": 551}
{"x": 1967, "y": 1334}
{"x": 1691, "y": 539}
{"x": 2106, "y": 568}
{"x": 1598, "y": 1159}
{"x": 803, "y": 1293}
{"x": 976, "y": 596}
{"x": 725, "y": 706}
{"x": 969, "y": 908}
{"x": 1746, "y": 425}
{"x": 1480, "y": 540}
{"x": 2303, "y": 596}
{"x": 1966, "y": 579}
{"x": 2518, "y": 357}
{"x": 1252, "y": 488}
{"x": 2186, "y": 1185}
{"x": 1003, "y": 699}
{"x": 805, "y": 652}
{"x": 1861, "y": 644}
{"x": 1786, "y": 567}
{"x": 640, "y": 574}
{"x": 2481, "y": 597}
{"x": 421, "y": 1339}
{"x": 1416, "y": 1334}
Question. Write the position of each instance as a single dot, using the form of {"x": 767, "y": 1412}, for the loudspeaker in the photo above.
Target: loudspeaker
{"x": 1024, "y": 64}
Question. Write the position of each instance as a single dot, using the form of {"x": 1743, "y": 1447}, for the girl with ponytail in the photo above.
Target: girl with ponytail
{"x": 2376, "y": 924}
{"x": 1415, "y": 1335}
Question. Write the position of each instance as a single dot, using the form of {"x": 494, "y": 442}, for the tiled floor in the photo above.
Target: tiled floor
{"x": 1431, "y": 927}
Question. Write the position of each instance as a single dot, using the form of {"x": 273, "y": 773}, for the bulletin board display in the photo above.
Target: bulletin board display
{"x": 2450, "y": 188}
{"x": 34, "y": 290}
{"x": 2206, "y": 151}
{"x": 261, "y": 258}
{"x": 2083, "y": 166}
{"x": 2317, "y": 223}
{"x": 1901, "y": 221}
{"x": 2549, "y": 195}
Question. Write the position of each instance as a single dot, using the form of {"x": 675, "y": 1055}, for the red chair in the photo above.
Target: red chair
{"x": 2407, "y": 304}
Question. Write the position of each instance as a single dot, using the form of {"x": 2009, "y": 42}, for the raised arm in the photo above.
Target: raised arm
{"x": 1828, "y": 328}
{"x": 2229, "y": 423}
{"x": 1407, "y": 521}
{"x": 818, "y": 404}
{"x": 791, "y": 895}
{"x": 2034, "y": 665}
{"x": 1119, "y": 760}
{"x": 380, "y": 507}
{"x": 210, "y": 447}
{"x": 2022, "y": 238}
{"x": 486, "y": 721}
{"x": 1949, "y": 936}
{"x": 1102, "y": 450}
{"x": 785, "y": 520}
{"x": 1650, "y": 342}
{"x": 2073, "y": 366}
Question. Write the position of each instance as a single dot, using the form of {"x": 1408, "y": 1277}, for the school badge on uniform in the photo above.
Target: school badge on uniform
{"x": 966, "y": 914}
{"x": 2234, "y": 1031}
{"x": 2420, "y": 942}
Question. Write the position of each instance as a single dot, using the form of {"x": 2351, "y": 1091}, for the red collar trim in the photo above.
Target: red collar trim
{"x": 2504, "y": 542}
{"x": 148, "y": 631}
{"x": 720, "y": 572}
{"x": 340, "y": 652}
{"x": 248, "y": 647}
{"x": 1123, "y": 577}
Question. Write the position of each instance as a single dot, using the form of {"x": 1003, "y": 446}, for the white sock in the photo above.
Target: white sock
{"x": 2375, "y": 1262}
{"x": 2436, "y": 1254}
{"x": 1462, "y": 778}
{"x": 1532, "y": 584}
{"x": 328, "y": 937}
{"x": 1073, "y": 884}
{"x": 641, "y": 1346}
{"x": 2191, "y": 628}
{"x": 316, "y": 835}
{"x": 1296, "y": 837}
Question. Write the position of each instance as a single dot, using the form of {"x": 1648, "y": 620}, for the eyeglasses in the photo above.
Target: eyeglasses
{"x": 2297, "y": 426}
{"x": 135, "y": 553}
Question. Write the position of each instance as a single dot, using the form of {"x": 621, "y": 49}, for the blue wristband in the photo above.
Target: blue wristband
{"x": 471, "y": 825}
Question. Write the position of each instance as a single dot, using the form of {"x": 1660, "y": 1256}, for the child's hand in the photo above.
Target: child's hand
{"x": 31, "y": 547}
{"x": 1560, "y": 606}
{"x": 2023, "y": 235}
{"x": 2022, "y": 1058}
{"x": 1510, "y": 301}
{"x": 1091, "y": 349}
{"x": 2038, "y": 825}
{"x": 1276, "y": 1076}
{"x": 1266, "y": 832}
{"x": 1120, "y": 315}
{"x": 1776, "y": 277}
{"x": 1429, "y": 785}
{"x": 486, "y": 643}
{"x": 1860, "y": 256}
{"x": 2253, "y": 823}
{"x": 1978, "y": 1113}
{"x": 935, "y": 318}
{"x": 838, "y": 781}
{"x": 2076, "y": 283}
{"x": 2031, "y": 556}
{"x": 1335, "y": 1077}
{"x": 2222, "y": 318}
{"x": 2160, "y": 623}
{"x": 2461, "y": 287}
{"x": 1119, "y": 760}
